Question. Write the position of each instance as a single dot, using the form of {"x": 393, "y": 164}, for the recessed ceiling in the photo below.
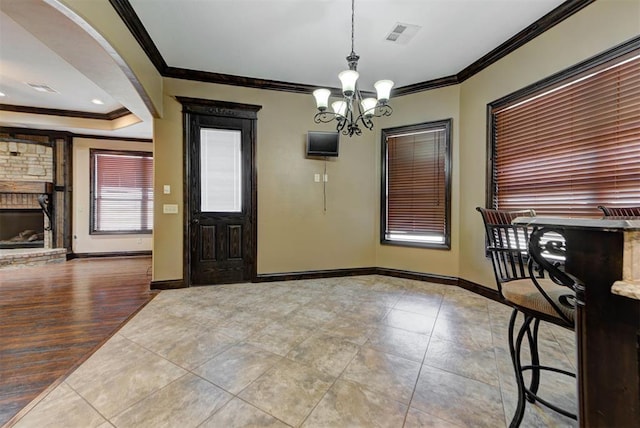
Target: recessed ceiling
{"x": 295, "y": 41}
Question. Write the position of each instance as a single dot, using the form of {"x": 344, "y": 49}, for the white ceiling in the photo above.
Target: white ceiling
{"x": 297, "y": 41}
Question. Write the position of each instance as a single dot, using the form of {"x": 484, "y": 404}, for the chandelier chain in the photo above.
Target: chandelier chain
{"x": 353, "y": 13}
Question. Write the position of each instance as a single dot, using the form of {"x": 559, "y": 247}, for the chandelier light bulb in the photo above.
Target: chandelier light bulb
{"x": 383, "y": 88}
{"x": 348, "y": 79}
{"x": 322, "y": 98}
{"x": 339, "y": 108}
{"x": 368, "y": 106}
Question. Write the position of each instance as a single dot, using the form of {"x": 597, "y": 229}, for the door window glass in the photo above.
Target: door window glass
{"x": 220, "y": 170}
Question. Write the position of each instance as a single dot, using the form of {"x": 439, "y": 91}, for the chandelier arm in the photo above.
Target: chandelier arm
{"x": 324, "y": 117}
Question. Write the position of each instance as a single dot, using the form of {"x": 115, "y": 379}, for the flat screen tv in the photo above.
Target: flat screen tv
{"x": 321, "y": 143}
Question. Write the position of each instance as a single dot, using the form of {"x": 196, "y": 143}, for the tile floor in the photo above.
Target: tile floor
{"x": 369, "y": 351}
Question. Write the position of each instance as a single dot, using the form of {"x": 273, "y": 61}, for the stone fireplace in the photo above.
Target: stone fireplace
{"x": 26, "y": 190}
{"x": 23, "y": 219}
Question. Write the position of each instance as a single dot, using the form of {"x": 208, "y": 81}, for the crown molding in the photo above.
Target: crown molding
{"x": 66, "y": 113}
{"x": 132, "y": 21}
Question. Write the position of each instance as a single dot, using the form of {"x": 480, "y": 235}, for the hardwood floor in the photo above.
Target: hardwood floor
{"x": 52, "y": 317}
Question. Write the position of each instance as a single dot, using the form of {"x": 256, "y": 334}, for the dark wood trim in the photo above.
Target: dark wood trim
{"x": 63, "y": 134}
{"x": 12, "y": 130}
{"x": 172, "y": 284}
{"x": 489, "y": 293}
{"x": 551, "y": 19}
{"x": 244, "y": 81}
{"x": 425, "y": 86}
{"x": 219, "y": 108}
{"x": 121, "y": 112}
{"x": 40, "y": 187}
{"x": 315, "y": 274}
{"x": 106, "y": 137}
{"x": 128, "y": 15}
{"x": 629, "y": 47}
{"x": 131, "y": 20}
{"x": 418, "y": 276}
{"x": 72, "y": 256}
{"x": 20, "y": 140}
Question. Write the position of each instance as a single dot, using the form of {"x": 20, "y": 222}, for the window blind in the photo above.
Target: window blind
{"x": 122, "y": 192}
{"x": 572, "y": 148}
{"x": 416, "y": 185}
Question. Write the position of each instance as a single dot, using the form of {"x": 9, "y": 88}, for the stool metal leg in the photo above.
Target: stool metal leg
{"x": 514, "y": 350}
{"x": 532, "y": 336}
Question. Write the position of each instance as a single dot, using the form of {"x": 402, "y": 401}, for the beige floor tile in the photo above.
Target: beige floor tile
{"x": 348, "y": 404}
{"x": 280, "y": 337}
{"x": 120, "y": 374}
{"x": 288, "y": 391}
{"x": 419, "y": 419}
{"x": 349, "y": 329}
{"x": 465, "y": 333}
{"x": 385, "y": 373}
{"x": 239, "y": 414}
{"x": 410, "y": 321}
{"x": 458, "y": 399}
{"x": 186, "y": 402}
{"x": 477, "y": 363}
{"x": 400, "y": 342}
{"x": 428, "y": 305}
{"x": 185, "y": 344}
{"x": 325, "y": 353}
{"x": 237, "y": 367}
{"x": 63, "y": 407}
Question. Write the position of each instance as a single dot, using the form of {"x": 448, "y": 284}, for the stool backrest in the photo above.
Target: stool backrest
{"x": 507, "y": 244}
{"x": 620, "y": 211}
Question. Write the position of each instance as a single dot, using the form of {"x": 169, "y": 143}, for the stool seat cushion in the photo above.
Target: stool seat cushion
{"x": 523, "y": 293}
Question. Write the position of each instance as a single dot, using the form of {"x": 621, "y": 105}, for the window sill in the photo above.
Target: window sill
{"x": 413, "y": 244}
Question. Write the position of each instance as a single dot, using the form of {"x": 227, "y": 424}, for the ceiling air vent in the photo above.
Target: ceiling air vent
{"x": 402, "y": 33}
{"x": 42, "y": 87}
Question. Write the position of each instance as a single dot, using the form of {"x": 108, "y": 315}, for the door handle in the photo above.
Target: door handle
{"x": 195, "y": 221}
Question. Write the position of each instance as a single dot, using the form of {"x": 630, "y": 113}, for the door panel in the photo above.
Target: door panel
{"x": 221, "y": 201}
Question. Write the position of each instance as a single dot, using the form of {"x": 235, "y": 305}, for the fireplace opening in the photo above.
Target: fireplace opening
{"x": 21, "y": 228}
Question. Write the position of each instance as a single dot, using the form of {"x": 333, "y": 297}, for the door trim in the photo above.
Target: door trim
{"x": 202, "y": 107}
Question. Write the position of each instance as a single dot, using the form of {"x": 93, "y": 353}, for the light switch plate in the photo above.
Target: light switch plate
{"x": 166, "y": 189}
{"x": 170, "y": 209}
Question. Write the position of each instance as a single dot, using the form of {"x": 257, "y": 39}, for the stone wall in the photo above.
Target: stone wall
{"x": 25, "y": 162}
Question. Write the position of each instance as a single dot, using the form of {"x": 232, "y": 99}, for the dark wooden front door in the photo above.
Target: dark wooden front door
{"x": 221, "y": 195}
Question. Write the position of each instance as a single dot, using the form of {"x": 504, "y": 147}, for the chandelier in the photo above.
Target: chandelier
{"x": 353, "y": 110}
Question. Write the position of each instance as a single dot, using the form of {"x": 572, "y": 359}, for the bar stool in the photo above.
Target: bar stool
{"x": 527, "y": 266}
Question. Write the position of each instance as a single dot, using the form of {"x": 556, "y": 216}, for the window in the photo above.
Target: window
{"x": 121, "y": 192}
{"x": 416, "y": 190}
{"x": 572, "y": 142}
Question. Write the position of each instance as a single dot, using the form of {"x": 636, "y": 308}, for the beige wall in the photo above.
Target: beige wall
{"x": 294, "y": 231}
{"x": 427, "y": 106}
{"x": 83, "y": 242}
{"x": 598, "y": 27}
